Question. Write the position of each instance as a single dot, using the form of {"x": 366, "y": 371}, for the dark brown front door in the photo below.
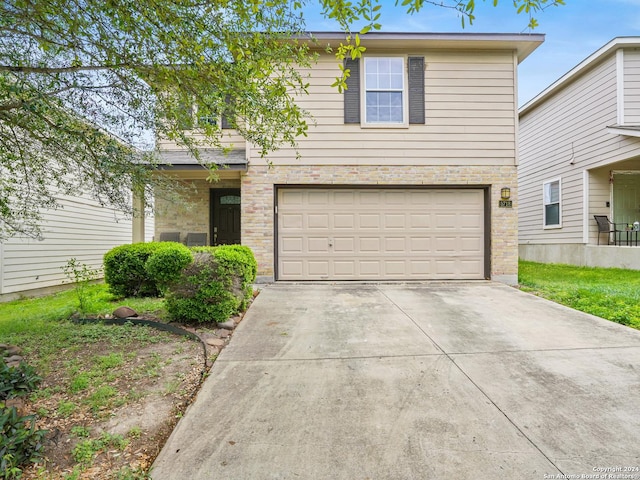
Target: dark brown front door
{"x": 225, "y": 216}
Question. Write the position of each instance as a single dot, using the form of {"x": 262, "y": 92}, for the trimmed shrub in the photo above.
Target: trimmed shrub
{"x": 165, "y": 264}
{"x": 125, "y": 270}
{"x": 20, "y": 442}
{"x": 202, "y": 294}
{"x": 238, "y": 261}
{"x": 17, "y": 381}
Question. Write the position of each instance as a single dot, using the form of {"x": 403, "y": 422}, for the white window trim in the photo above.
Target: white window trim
{"x": 544, "y": 210}
{"x": 405, "y": 94}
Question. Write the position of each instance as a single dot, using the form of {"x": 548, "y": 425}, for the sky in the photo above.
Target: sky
{"x": 573, "y": 31}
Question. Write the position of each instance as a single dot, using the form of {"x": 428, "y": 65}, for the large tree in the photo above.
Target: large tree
{"x": 84, "y": 83}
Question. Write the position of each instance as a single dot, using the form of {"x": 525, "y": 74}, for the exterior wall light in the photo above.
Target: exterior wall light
{"x": 505, "y": 193}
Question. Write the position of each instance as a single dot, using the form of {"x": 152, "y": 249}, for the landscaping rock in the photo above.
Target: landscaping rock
{"x": 124, "y": 312}
{"x": 228, "y": 325}
{"x": 222, "y": 333}
{"x": 215, "y": 342}
{"x": 13, "y": 360}
{"x": 12, "y": 350}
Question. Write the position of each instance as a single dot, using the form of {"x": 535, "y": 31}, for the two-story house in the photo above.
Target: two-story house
{"x": 579, "y": 143}
{"x": 410, "y": 174}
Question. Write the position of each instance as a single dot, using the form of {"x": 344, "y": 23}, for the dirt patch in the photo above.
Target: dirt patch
{"x": 109, "y": 410}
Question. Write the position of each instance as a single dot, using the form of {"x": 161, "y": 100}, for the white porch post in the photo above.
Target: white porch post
{"x": 138, "y": 218}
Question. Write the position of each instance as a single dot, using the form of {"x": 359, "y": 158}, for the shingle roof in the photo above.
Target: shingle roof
{"x": 184, "y": 160}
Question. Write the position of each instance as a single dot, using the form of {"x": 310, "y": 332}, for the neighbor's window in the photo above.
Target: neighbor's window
{"x": 384, "y": 89}
{"x": 551, "y": 197}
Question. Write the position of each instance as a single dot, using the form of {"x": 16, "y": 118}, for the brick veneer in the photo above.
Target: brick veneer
{"x": 258, "y": 202}
{"x": 193, "y": 214}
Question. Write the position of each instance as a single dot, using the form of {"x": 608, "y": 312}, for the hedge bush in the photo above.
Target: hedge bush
{"x": 125, "y": 270}
{"x": 215, "y": 286}
{"x": 235, "y": 260}
{"x": 165, "y": 265}
{"x": 20, "y": 442}
{"x": 144, "y": 269}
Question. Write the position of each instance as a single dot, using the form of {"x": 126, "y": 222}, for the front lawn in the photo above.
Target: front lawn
{"x": 610, "y": 293}
{"x": 110, "y": 394}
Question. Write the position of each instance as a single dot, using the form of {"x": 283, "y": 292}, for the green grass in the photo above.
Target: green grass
{"x": 28, "y": 322}
{"x": 610, "y": 293}
{"x": 41, "y": 315}
{"x": 42, "y": 328}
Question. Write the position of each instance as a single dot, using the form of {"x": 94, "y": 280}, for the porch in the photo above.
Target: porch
{"x": 211, "y": 210}
{"x": 613, "y": 192}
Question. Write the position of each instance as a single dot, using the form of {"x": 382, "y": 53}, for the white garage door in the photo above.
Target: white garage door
{"x": 380, "y": 234}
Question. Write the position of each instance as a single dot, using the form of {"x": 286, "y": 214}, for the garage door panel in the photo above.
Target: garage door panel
{"x": 445, "y": 244}
{"x": 292, "y": 268}
{"x": 369, "y": 220}
{"x": 394, "y": 268}
{"x": 344, "y": 268}
{"x": 380, "y": 234}
{"x": 469, "y": 267}
{"x": 292, "y": 245}
{"x": 395, "y": 220}
{"x": 341, "y": 220}
{"x": 318, "y": 197}
{"x": 369, "y": 244}
{"x": 370, "y": 268}
{"x": 344, "y": 245}
{"x": 395, "y": 245}
{"x": 420, "y": 244}
{"x": 291, "y": 220}
{"x": 318, "y": 221}
{"x": 318, "y": 268}
{"x": 446, "y": 220}
{"x": 369, "y": 197}
{"x": 318, "y": 245}
{"x": 419, "y": 220}
{"x": 471, "y": 245}
{"x": 470, "y": 221}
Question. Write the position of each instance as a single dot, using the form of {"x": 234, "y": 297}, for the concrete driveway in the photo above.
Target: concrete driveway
{"x": 419, "y": 381}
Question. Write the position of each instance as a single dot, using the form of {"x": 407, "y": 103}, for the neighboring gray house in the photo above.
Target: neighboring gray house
{"x": 82, "y": 229}
{"x": 579, "y": 149}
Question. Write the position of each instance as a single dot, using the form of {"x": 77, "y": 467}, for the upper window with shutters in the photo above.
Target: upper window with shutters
{"x": 385, "y": 91}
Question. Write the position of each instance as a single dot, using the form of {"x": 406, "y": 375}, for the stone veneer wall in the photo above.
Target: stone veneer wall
{"x": 258, "y": 202}
{"x": 193, "y": 215}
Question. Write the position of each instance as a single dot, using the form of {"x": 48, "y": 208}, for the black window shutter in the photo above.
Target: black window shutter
{"x": 352, "y": 93}
{"x": 226, "y": 123}
{"x": 416, "y": 90}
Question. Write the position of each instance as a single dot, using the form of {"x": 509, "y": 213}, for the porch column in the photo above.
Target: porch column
{"x": 137, "y": 225}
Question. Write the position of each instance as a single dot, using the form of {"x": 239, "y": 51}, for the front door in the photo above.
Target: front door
{"x": 225, "y": 216}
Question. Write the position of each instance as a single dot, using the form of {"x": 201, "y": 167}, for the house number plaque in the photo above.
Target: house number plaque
{"x": 505, "y": 203}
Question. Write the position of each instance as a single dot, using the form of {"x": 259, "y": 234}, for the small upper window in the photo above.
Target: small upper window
{"x": 551, "y": 199}
{"x": 384, "y": 86}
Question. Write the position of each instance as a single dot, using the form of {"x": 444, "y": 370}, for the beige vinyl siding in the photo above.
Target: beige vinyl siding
{"x": 631, "y": 64}
{"x": 470, "y": 102}
{"x": 82, "y": 229}
{"x": 230, "y": 139}
{"x": 568, "y": 127}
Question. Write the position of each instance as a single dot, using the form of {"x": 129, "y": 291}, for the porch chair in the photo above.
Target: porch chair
{"x": 170, "y": 236}
{"x": 196, "y": 239}
{"x": 608, "y": 227}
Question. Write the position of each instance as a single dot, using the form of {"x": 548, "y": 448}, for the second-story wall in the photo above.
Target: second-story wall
{"x": 469, "y": 108}
{"x": 630, "y": 58}
{"x": 566, "y": 137}
{"x": 559, "y": 139}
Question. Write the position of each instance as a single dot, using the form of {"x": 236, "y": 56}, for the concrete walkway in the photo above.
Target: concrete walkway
{"x": 419, "y": 381}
